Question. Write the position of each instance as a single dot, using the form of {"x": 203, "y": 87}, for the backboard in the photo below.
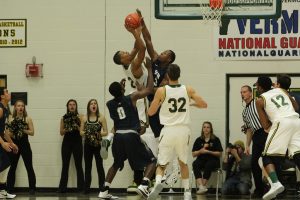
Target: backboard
{"x": 233, "y": 9}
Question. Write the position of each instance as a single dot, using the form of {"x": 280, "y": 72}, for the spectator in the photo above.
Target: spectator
{"x": 72, "y": 144}
{"x": 93, "y": 127}
{"x": 208, "y": 149}
{"x": 238, "y": 170}
{"x": 19, "y": 127}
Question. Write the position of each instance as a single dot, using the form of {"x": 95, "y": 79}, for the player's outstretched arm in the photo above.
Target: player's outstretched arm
{"x": 198, "y": 100}
{"x": 136, "y": 65}
{"x": 147, "y": 38}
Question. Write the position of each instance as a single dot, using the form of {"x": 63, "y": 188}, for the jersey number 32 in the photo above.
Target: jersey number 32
{"x": 178, "y": 105}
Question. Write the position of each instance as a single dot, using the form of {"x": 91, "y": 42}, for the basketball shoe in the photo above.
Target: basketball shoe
{"x": 155, "y": 192}
{"x": 187, "y": 195}
{"x": 276, "y": 188}
{"x": 5, "y": 195}
{"x": 103, "y": 194}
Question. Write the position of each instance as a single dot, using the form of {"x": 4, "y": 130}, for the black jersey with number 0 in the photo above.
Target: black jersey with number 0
{"x": 123, "y": 113}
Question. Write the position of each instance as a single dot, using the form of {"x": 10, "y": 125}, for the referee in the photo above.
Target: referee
{"x": 256, "y": 133}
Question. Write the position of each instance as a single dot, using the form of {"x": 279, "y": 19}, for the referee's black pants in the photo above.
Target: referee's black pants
{"x": 258, "y": 144}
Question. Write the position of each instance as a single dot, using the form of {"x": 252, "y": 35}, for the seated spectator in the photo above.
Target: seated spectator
{"x": 208, "y": 150}
{"x": 238, "y": 170}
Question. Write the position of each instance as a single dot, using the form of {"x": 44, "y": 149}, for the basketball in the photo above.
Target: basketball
{"x": 133, "y": 20}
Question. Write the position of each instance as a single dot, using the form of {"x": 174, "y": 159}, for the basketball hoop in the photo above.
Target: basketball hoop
{"x": 212, "y": 11}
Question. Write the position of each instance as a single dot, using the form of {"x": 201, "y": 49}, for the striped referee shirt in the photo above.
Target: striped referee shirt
{"x": 250, "y": 117}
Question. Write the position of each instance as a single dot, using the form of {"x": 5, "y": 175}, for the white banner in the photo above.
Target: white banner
{"x": 261, "y": 39}
{"x": 13, "y": 33}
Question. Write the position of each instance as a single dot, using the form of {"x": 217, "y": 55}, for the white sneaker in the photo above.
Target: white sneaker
{"x": 276, "y": 188}
{"x": 106, "y": 195}
{"x": 187, "y": 195}
{"x": 155, "y": 192}
{"x": 202, "y": 189}
{"x": 143, "y": 191}
{"x": 5, "y": 195}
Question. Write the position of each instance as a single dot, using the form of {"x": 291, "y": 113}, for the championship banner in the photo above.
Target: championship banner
{"x": 13, "y": 33}
{"x": 261, "y": 39}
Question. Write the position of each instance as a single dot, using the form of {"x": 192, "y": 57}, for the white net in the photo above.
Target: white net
{"x": 212, "y": 11}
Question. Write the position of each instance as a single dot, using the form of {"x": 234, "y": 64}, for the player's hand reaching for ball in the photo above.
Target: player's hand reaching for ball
{"x": 141, "y": 17}
{"x": 129, "y": 29}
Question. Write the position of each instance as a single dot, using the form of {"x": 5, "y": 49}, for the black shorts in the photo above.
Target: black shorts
{"x": 129, "y": 146}
{"x": 155, "y": 124}
{"x": 4, "y": 159}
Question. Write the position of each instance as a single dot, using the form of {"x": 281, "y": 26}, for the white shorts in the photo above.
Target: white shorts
{"x": 173, "y": 139}
{"x": 150, "y": 140}
{"x": 284, "y": 135}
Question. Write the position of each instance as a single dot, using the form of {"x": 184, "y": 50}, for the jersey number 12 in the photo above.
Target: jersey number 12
{"x": 279, "y": 101}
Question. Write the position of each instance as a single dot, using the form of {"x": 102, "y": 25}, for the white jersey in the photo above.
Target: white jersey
{"x": 141, "y": 104}
{"x": 175, "y": 109}
{"x": 131, "y": 87}
{"x": 278, "y": 104}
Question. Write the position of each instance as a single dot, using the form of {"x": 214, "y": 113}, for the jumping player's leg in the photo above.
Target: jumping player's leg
{"x": 118, "y": 151}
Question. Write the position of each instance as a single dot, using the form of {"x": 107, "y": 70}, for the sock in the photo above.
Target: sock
{"x": 158, "y": 179}
{"x": 273, "y": 177}
{"x": 146, "y": 179}
{"x": 269, "y": 180}
{"x": 186, "y": 184}
{"x": 107, "y": 184}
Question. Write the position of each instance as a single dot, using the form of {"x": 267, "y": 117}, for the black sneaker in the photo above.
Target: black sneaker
{"x": 143, "y": 191}
{"x": 105, "y": 143}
